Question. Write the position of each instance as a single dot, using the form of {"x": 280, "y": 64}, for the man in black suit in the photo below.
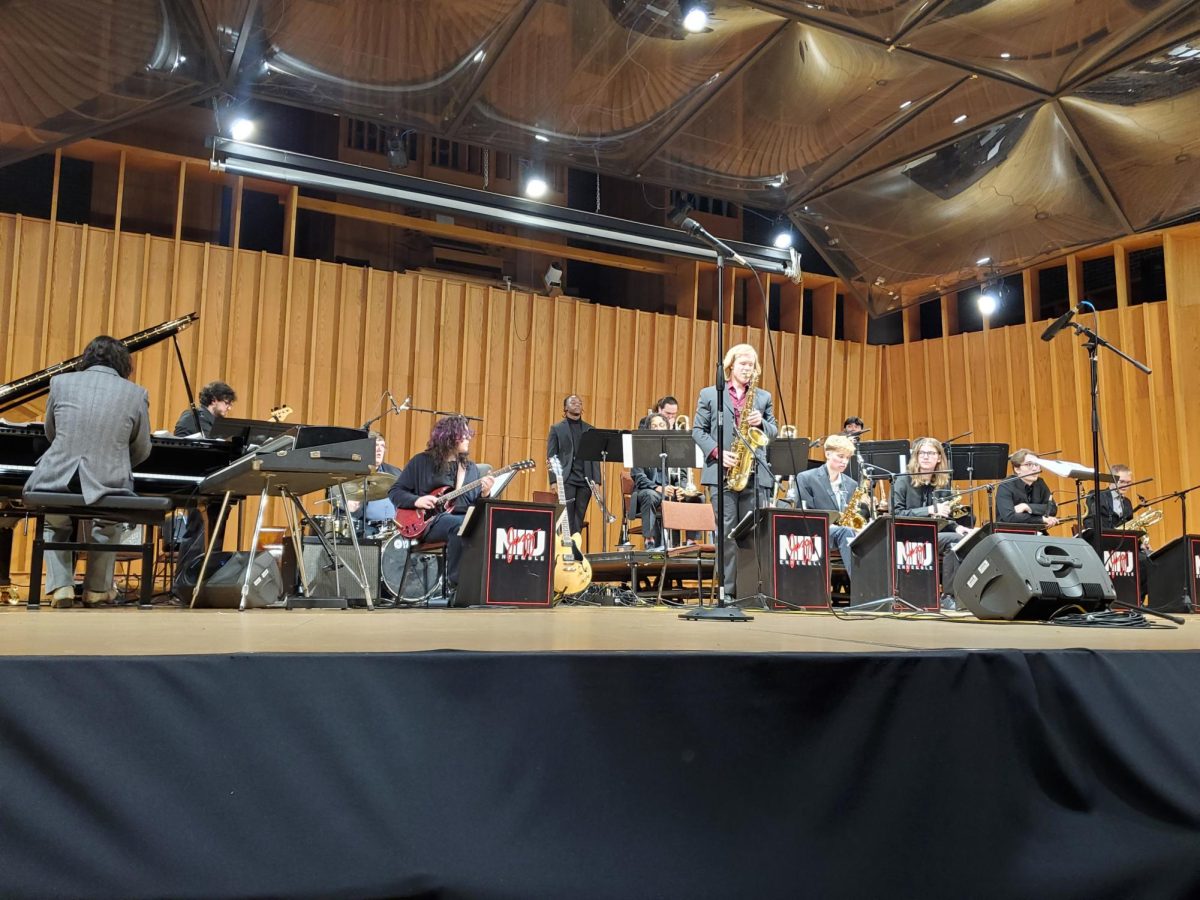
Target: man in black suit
{"x": 563, "y": 442}
{"x": 1115, "y": 505}
{"x": 216, "y": 400}
{"x": 828, "y": 487}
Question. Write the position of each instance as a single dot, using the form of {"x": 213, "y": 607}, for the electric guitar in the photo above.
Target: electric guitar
{"x": 572, "y": 571}
{"x": 413, "y": 523}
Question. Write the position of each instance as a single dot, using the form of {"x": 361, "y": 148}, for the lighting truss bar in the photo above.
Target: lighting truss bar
{"x": 267, "y": 163}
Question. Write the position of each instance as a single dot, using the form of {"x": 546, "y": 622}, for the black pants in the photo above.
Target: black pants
{"x": 649, "y": 509}
{"x": 445, "y": 528}
{"x": 578, "y": 497}
{"x": 6, "y": 544}
{"x": 737, "y": 505}
{"x": 193, "y": 543}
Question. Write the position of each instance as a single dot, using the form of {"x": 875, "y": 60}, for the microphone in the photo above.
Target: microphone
{"x": 1142, "y": 500}
{"x": 680, "y": 217}
{"x": 1059, "y": 324}
{"x": 402, "y": 407}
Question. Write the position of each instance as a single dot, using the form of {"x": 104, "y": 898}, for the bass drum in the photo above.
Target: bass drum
{"x": 424, "y": 580}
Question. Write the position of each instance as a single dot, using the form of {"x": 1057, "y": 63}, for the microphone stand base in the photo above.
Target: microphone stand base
{"x": 716, "y": 614}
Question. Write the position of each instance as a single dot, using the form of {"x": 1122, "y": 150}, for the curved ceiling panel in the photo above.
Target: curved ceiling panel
{"x": 1015, "y": 192}
{"x": 880, "y": 20}
{"x": 605, "y": 81}
{"x": 1142, "y": 127}
{"x": 71, "y": 67}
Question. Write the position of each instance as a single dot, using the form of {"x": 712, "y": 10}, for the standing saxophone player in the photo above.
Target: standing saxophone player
{"x": 746, "y": 406}
{"x": 827, "y": 487}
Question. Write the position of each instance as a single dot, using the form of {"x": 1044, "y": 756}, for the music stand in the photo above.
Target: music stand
{"x": 599, "y": 445}
{"x": 247, "y": 432}
{"x": 660, "y": 450}
{"x": 788, "y": 457}
{"x": 979, "y": 462}
{"x": 889, "y": 455}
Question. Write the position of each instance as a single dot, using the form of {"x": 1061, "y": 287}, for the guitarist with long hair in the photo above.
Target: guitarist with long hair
{"x": 444, "y": 463}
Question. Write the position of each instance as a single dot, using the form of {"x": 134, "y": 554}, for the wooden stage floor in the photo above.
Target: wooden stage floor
{"x": 169, "y": 631}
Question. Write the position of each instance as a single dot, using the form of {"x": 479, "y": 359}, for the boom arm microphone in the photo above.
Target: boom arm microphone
{"x": 1059, "y": 324}
{"x": 681, "y": 218}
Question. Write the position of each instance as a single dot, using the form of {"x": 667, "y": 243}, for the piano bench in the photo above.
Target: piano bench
{"x": 149, "y": 511}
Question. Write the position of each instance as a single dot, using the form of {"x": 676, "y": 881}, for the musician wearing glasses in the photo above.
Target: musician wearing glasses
{"x": 924, "y": 492}
{"x": 1025, "y": 499}
{"x": 444, "y": 463}
{"x": 1115, "y": 506}
{"x": 828, "y": 487}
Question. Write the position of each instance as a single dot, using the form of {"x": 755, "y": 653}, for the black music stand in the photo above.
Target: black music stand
{"x": 979, "y": 462}
{"x": 661, "y": 450}
{"x": 891, "y": 456}
{"x": 788, "y": 457}
{"x": 247, "y": 432}
{"x": 600, "y": 445}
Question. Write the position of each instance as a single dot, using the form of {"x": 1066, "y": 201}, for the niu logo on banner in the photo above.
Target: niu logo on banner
{"x": 520, "y": 543}
{"x": 1118, "y": 562}
{"x": 800, "y": 550}
{"x": 916, "y": 555}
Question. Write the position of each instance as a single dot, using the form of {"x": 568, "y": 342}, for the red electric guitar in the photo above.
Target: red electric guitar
{"x": 415, "y": 522}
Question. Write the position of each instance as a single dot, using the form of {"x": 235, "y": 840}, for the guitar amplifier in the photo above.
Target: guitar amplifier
{"x": 326, "y": 579}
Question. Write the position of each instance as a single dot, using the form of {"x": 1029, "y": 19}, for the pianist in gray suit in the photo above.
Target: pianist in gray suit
{"x": 98, "y": 424}
{"x": 828, "y": 487}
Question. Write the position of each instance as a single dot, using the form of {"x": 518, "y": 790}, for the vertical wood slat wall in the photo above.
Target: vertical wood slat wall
{"x": 329, "y": 339}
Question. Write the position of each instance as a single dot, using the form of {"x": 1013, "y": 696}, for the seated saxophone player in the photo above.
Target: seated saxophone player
{"x": 924, "y": 491}
{"x": 1116, "y": 511}
{"x": 1025, "y": 499}
{"x": 649, "y": 491}
{"x": 828, "y": 487}
{"x": 749, "y": 418}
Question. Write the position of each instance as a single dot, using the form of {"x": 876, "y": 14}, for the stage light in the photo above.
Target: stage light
{"x": 542, "y": 138}
{"x": 242, "y": 129}
{"x": 695, "y": 19}
{"x": 906, "y": 104}
{"x": 960, "y": 119}
{"x": 536, "y": 188}
{"x": 783, "y": 239}
{"x": 988, "y": 302}
{"x": 553, "y": 279}
{"x": 983, "y": 261}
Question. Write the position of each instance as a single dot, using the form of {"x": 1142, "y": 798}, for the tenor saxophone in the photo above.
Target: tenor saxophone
{"x": 747, "y": 441}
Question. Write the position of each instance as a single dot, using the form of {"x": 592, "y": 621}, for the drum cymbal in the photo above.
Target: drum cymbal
{"x": 377, "y": 486}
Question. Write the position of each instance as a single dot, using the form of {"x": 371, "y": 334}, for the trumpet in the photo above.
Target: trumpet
{"x": 682, "y": 423}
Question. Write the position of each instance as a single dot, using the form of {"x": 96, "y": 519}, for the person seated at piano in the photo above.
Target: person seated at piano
{"x": 924, "y": 492}
{"x": 444, "y": 463}
{"x": 828, "y": 487}
{"x": 98, "y": 424}
{"x": 379, "y": 514}
{"x": 216, "y": 400}
{"x": 1026, "y": 498}
{"x": 649, "y": 491}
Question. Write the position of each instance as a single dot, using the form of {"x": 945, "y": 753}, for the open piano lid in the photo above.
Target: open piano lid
{"x": 32, "y": 386}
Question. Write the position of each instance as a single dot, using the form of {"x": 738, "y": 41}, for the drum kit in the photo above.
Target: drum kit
{"x": 422, "y": 580}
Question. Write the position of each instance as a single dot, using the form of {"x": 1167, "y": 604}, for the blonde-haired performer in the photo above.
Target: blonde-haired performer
{"x": 924, "y": 491}
{"x": 741, "y": 368}
{"x": 828, "y": 487}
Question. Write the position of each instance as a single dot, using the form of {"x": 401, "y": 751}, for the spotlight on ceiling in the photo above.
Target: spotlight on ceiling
{"x": 983, "y": 260}
{"x": 242, "y": 129}
{"x": 553, "y": 279}
{"x": 783, "y": 238}
{"x": 536, "y": 188}
{"x": 958, "y": 120}
{"x": 988, "y": 300}
{"x": 695, "y": 19}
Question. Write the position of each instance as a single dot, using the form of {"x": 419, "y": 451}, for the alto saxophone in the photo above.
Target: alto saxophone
{"x": 852, "y": 515}
{"x": 747, "y": 441}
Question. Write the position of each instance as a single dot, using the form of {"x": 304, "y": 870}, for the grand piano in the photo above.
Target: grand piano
{"x": 176, "y": 466}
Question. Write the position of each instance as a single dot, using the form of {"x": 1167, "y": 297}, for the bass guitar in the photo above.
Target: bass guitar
{"x": 412, "y": 523}
{"x": 572, "y": 571}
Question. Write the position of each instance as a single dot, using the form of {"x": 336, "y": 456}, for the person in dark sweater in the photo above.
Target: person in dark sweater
{"x": 216, "y": 399}
{"x": 1026, "y": 499}
{"x": 444, "y": 463}
{"x": 563, "y": 442}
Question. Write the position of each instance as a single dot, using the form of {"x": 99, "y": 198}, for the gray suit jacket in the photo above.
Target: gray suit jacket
{"x": 814, "y": 489}
{"x": 98, "y": 424}
{"x": 704, "y": 430}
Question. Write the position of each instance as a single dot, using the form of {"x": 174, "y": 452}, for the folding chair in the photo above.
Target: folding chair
{"x": 691, "y": 517}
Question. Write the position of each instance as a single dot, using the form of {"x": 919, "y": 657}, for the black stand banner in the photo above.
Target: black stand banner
{"x": 507, "y": 555}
